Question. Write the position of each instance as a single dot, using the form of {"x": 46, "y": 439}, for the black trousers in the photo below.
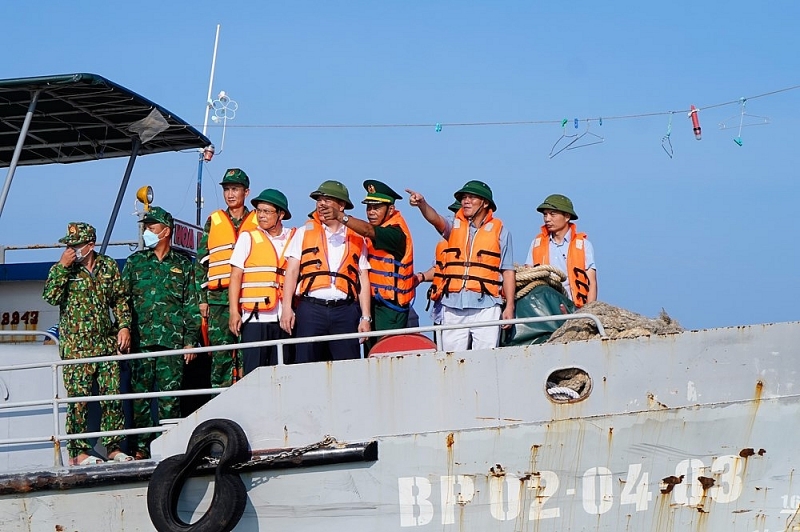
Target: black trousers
{"x": 312, "y": 319}
{"x": 254, "y": 357}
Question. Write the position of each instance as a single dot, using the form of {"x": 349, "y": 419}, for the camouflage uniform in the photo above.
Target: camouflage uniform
{"x": 163, "y": 299}
{"x": 218, "y": 312}
{"x": 86, "y": 330}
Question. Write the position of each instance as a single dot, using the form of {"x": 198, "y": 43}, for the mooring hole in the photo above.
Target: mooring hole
{"x": 568, "y": 385}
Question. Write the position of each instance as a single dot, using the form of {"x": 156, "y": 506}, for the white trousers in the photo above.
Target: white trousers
{"x": 470, "y": 337}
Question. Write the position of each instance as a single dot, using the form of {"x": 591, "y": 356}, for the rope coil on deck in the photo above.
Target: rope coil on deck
{"x": 529, "y": 277}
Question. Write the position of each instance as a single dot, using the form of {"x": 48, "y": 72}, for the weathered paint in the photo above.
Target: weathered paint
{"x": 471, "y": 442}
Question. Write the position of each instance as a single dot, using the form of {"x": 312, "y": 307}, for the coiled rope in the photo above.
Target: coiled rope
{"x": 529, "y": 277}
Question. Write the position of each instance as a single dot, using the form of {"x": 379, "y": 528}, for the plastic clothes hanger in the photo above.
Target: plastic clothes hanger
{"x": 666, "y": 143}
{"x": 745, "y": 120}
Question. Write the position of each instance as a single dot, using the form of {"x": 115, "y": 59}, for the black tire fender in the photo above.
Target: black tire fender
{"x": 230, "y": 495}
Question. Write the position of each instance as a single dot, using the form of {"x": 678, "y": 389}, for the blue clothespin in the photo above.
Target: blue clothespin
{"x": 576, "y": 123}
{"x": 438, "y": 127}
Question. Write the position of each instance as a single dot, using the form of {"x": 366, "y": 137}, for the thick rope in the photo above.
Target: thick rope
{"x": 529, "y": 277}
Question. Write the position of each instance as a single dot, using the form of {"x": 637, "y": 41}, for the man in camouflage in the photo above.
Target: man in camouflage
{"x": 160, "y": 285}
{"x": 85, "y": 285}
{"x": 213, "y": 268}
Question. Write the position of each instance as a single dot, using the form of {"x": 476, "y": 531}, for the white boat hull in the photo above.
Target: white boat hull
{"x": 689, "y": 432}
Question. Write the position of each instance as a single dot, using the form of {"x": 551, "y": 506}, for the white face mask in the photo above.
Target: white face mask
{"x": 79, "y": 255}
{"x": 150, "y": 239}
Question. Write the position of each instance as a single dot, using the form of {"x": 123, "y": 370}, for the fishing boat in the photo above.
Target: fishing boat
{"x": 679, "y": 432}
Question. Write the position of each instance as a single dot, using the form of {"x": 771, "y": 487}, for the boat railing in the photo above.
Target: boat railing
{"x": 132, "y": 244}
{"x": 56, "y": 401}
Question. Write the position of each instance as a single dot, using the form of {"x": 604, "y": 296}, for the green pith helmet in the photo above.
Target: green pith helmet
{"x": 477, "y": 188}
{"x": 78, "y": 233}
{"x": 379, "y": 192}
{"x": 454, "y": 207}
{"x": 159, "y": 216}
{"x": 334, "y": 189}
{"x": 558, "y": 202}
{"x": 235, "y": 176}
{"x": 273, "y": 197}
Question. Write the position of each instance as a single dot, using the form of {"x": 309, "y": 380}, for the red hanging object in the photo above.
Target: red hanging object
{"x": 693, "y": 114}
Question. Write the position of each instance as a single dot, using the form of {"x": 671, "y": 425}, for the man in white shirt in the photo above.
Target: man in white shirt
{"x": 328, "y": 268}
{"x": 258, "y": 265}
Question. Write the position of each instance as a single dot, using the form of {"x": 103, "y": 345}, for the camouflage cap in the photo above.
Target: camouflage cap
{"x": 79, "y": 233}
{"x": 159, "y": 216}
{"x": 235, "y": 176}
{"x": 379, "y": 192}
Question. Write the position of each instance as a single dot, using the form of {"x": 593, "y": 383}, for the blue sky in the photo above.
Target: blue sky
{"x": 689, "y": 234}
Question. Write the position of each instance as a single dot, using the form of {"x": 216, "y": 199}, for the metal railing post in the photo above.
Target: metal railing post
{"x": 56, "y": 424}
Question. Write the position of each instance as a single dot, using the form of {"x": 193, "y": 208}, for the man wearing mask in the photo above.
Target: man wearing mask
{"x": 258, "y": 269}
{"x": 86, "y": 286}
{"x": 213, "y": 268}
{"x": 160, "y": 285}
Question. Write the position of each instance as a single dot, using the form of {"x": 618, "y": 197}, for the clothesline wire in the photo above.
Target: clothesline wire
{"x": 499, "y": 123}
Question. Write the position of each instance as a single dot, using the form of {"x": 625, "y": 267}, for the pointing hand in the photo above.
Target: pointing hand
{"x": 415, "y": 199}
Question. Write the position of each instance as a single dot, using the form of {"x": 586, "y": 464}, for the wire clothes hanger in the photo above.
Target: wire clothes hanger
{"x": 568, "y": 139}
{"x": 752, "y": 120}
{"x": 587, "y": 138}
{"x": 666, "y": 142}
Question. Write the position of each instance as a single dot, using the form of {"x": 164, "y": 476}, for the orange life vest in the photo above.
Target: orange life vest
{"x": 473, "y": 264}
{"x": 437, "y": 283}
{"x": 264, "y": 272}
{"x": 314, "y": 272}
{"x": 576, "y": 261}
{"x": 222, "y": 237}
{"x": 392, "y": 281}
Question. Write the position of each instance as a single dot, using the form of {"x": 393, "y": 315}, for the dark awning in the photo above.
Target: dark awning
{"x": 82, "y": 117}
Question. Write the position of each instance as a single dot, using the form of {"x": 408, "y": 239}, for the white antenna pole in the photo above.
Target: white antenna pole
{"x": 211, "y": 81}
{"x": 207, "y": 152}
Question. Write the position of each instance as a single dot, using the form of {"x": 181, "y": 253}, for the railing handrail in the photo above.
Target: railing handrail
{"x": 34, "y": 247}
{"x": 56, "y": 401}
{"x": 303, "y": 340}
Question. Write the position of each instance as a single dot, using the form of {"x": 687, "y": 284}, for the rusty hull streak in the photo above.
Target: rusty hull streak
{"x": 497, "y": 471}
{"x": 669, "y": 483}
{"x": 706, "y": 482}
{"x": 450, "y": 440}
{"x": 652, "y": 401}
